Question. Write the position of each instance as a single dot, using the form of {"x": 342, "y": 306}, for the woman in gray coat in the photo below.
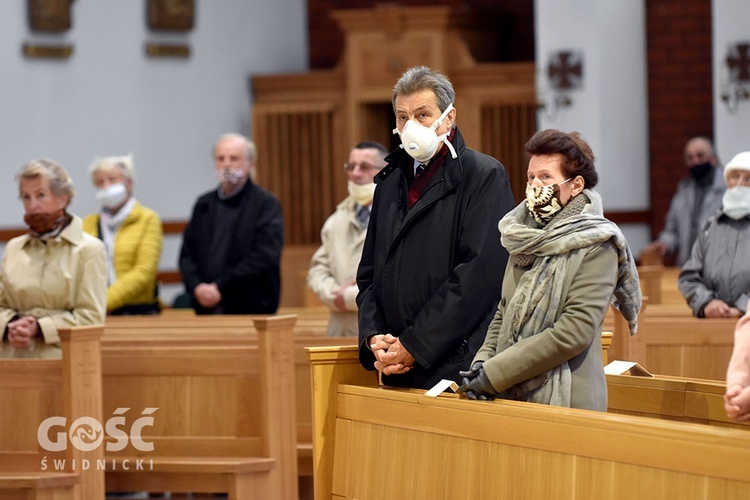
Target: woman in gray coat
{"x": 715, "y": 281}
{"x": 567, "y": 263}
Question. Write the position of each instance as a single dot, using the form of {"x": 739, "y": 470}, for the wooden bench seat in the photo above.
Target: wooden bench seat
{"x": 38, "y": 485}
{"x": 239, "y": 477}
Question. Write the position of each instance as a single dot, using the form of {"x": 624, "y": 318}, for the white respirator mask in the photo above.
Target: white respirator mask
{"x": 422, "y": 142}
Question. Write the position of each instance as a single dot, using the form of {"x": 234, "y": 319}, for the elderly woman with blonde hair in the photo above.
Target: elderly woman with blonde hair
{"x": 54, "y": 275}
{"x": 132, "y": 235}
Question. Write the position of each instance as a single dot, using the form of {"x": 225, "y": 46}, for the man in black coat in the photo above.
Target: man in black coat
{"x": 432, "y": 267}
{"x": 231, "y": 247}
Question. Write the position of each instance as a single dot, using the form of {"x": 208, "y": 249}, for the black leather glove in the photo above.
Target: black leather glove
{"x": 473, "y": 371}
{"x": 477, "y": 388}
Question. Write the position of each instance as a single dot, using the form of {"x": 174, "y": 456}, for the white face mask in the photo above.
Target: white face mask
{"x": 362, "y": 193}
{"x": 422, "y": 142}
{"x": 112, "y": 196}
{"x": 736, "y": 202}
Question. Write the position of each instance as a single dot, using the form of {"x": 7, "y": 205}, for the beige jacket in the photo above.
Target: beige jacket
{"x": 61, "y": 283}
{"x": 335, "y": 262}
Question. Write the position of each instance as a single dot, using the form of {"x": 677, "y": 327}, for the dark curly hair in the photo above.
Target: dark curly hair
{"x": 578, "y": 159}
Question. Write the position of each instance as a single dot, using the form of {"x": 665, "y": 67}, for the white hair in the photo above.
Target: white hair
{"x": 251, "y": 152}
{"x": 124, "y": 163}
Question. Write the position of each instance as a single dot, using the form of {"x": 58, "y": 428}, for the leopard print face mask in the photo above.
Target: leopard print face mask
{"x": 544, "y": 202}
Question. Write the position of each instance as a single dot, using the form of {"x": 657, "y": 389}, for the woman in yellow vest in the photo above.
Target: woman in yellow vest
{"x": 132, "y": 235}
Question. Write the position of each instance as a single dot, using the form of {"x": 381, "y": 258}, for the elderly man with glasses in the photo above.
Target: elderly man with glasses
{"x": 333, "y": 267}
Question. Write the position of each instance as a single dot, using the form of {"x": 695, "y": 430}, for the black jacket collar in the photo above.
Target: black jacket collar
{"x": 400, "y": 159}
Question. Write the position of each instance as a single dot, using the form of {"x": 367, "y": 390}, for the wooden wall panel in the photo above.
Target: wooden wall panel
{"x": 505, "y": 129}
{"x": 296, "y": 152}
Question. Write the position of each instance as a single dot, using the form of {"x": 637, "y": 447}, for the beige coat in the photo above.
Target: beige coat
{"x": 335, "y": 263}
{"x": 61, "y": 283}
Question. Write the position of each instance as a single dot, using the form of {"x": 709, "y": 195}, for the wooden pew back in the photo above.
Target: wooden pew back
{"x": 218, "y": 394}
{"x": 659, "y": 284}
{"x": 226, "y": 343}
{"x": 670, "y": 398}
{"x": 32, "y": 390}
{"x": 671, "y": 341}
{"x": 310, "y": 321}
{"x": 549, "y": 452}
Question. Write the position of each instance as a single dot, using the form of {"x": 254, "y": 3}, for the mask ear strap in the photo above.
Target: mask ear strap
{"x": 450, "y": 147}
{"x": 442, "y": 116}
{"x": 444, "y": 137}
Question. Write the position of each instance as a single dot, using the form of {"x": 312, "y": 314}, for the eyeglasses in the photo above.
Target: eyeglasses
{"x": 739, "y": 178}
{"x": 362, "y": 166}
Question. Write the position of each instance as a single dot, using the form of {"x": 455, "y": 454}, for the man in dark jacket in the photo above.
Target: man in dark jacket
{"x": 232, "y": 245}
{"x": 432, "y": 267}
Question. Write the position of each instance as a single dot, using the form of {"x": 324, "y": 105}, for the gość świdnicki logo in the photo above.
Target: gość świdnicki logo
{"x": 87, "y": 434}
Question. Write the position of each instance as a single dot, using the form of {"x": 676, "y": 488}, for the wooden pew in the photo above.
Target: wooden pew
{"x": 670, "y": 398}
{"x": 223, "y": 334}
{"x": 616, "y": 335}
{"x": 37, "y": 485}
{"x": 310, "y": 321}
{"x": 659, "y": 284}
{"x": 671, "y": 341}
{"x": 448, "y": 447}
{"x": 123, "y": 332}
{"x": 177, "y": 323}
{"x": 32, "y": 390}
{"x": 223, "y": 423}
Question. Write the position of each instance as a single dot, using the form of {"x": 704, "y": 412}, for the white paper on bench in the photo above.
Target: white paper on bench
{"x": 617, "y": 367}
{"x": 440, "y": 387}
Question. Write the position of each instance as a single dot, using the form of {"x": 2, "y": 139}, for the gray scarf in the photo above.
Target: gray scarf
{"x": 555, "y": 253}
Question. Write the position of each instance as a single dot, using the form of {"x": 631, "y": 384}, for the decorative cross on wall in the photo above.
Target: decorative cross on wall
{"x": 565, "y": 70}
{"x": 738, "y": 62}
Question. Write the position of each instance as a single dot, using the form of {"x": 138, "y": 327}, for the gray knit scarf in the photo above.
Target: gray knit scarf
{"x": 555, "y": 253}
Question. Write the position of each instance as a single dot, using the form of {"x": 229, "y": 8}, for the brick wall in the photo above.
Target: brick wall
{"x": 679, "y": 91}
